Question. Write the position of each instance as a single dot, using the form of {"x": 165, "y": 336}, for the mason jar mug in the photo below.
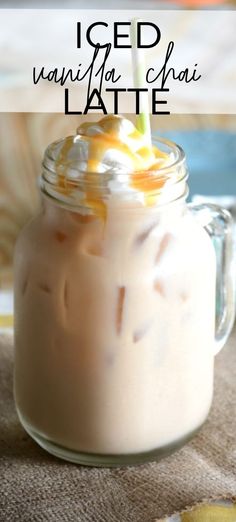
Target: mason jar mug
{"x": 120, "y": 308}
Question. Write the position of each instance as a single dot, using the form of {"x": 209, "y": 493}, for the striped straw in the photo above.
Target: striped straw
{"x": 139, "y": 72}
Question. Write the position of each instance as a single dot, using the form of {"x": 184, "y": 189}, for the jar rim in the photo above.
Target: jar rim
{"x": 49, "y": 160}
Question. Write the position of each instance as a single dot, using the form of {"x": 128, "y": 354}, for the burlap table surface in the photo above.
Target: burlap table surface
{"x": 35, "y": 487}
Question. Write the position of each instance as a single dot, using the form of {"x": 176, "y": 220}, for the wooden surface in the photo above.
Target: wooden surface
{"x": 23, "y": 138}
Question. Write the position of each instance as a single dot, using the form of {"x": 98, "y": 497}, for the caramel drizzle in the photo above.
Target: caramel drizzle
{"x": 61, "y": 164}
{"x": 143, "y": 181}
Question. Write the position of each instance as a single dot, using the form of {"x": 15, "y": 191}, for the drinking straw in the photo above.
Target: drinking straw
{"x": 139, "y": 74}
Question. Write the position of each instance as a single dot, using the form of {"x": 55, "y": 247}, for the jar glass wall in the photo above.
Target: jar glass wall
{"x": 114, "y": 326}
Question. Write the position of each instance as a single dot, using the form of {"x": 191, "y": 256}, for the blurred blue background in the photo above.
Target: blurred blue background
{"x": 211, "y": 159}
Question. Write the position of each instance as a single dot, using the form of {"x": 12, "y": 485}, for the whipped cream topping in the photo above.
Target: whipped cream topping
{"x": 116, "y": 156}
{"x": 116, "y": 144}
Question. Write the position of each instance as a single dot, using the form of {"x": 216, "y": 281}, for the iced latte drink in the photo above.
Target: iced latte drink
{"x": 114, "y": 301}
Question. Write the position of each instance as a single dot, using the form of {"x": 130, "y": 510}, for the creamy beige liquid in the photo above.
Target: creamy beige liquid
{"x": 114, "y": 327}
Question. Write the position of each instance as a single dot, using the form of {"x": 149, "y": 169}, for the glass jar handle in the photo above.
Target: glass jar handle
{"x": 219, "y": 225}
